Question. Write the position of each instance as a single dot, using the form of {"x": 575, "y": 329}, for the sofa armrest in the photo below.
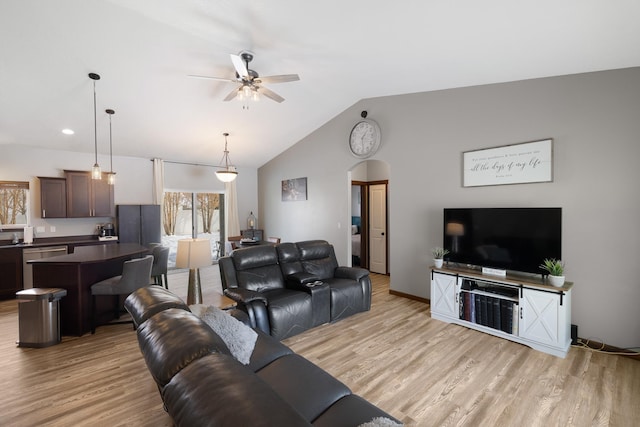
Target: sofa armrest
{"x": 254, "y": 304}
{"x": 360, "y": 275}
{"x": 353, "y": 273}
{"x": 245, "y": 296}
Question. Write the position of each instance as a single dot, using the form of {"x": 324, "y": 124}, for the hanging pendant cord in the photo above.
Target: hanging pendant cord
{"x": 110, "y": 147}
{"x": 95, "y": 121}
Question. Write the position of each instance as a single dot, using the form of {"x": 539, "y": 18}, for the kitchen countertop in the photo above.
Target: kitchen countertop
{"x": 53, "y": 241}
{"x": 95, "y": 254}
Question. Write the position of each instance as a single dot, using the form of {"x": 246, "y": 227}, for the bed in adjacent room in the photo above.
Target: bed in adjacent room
{"x": 356, "y": 242}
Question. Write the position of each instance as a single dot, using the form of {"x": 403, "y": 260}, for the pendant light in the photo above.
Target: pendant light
{"x": 228, "y": 173}
{"x": 111, "y": 176}
{"x": 96, "y": 173}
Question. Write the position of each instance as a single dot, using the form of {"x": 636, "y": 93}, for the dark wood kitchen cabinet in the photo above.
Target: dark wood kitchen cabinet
{"x": 88, "y": 197}
{"x": 53, "y": 197}
{"x": 10, "y": 272}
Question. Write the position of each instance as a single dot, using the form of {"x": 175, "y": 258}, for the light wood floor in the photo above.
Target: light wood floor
{"x": 424, "y": 372}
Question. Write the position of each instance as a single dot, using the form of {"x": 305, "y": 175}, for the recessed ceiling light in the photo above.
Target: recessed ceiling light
{"x": 68, "y": 131}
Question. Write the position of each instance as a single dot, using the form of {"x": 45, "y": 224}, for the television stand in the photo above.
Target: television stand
{"x": 528, "y": 311}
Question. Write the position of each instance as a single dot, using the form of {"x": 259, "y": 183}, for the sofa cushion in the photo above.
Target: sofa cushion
{"x": 239, "y": 338}
{"x": 145, "y": 302}
{"x": 351, "y": 410}
{"x": 261, "y": 279}
{"x": 216, "y": 390}
{"x": 172, "y": 329}
{"x": 289, "y": 258}
{"x": 256, "y": 256}
{"x": 318, "y": 258}
{"x": 290, "y": 312}
{"x": 304, "y": 385}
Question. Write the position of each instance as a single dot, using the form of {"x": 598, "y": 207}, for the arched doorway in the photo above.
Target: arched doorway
{"x": 368, "y": 209}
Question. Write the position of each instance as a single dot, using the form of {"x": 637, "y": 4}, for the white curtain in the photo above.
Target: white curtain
{"x": 158, "y": 181}
{"x": 232, "y": 225}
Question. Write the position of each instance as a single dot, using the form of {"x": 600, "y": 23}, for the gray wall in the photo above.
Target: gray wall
{"x": 594, "y": 120}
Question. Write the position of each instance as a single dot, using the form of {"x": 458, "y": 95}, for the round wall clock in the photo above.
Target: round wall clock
{"x": 364, "y": 139}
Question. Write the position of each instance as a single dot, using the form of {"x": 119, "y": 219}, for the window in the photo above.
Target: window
{"x": 14, "y": 204}
{"x": 178, "y": 215}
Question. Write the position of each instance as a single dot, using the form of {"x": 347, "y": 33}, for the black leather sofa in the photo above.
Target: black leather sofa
{"x": 202, "y": 384}
{"x": 277, "y": 286}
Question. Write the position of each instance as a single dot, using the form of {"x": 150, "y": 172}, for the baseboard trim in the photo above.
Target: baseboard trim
{"x": 409, "y": 296}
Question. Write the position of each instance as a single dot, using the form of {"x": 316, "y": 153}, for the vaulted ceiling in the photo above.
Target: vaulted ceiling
{"x": 343, "y": 51}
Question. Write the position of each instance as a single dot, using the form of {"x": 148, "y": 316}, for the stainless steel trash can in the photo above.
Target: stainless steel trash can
{"x": 39, "y": 316}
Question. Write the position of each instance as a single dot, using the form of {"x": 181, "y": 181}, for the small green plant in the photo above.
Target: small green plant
{"x": 555, "y": 267}
{"x": 439, "y": 253}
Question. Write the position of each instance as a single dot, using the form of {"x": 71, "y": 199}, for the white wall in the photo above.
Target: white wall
{"x": 594, "y": 119}
{"x": 134, "y": 177}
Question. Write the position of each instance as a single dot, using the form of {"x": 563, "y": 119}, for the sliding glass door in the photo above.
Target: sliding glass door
{"x": 186, "y": 215}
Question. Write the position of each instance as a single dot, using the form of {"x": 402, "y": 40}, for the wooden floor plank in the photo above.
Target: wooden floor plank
{"x": 423, "y": 371}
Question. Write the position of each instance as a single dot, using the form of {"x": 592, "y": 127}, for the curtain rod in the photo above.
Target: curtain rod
{"x": 188, "y": 163}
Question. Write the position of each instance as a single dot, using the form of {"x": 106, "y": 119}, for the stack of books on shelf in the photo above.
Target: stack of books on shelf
{"x": 496, "y": 313}
{"x": 478, "y": 305}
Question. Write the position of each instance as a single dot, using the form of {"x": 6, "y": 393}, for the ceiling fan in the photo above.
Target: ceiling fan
{"x": 250, "y": 81}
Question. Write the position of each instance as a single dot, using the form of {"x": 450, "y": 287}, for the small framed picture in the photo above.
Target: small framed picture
{"x": 294, "y": 189}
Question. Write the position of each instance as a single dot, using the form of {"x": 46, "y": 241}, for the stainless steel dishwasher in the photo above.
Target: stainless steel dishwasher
{"x": 37, "y": 253}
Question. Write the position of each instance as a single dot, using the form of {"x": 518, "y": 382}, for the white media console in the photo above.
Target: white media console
{"x": 526, "y": 310}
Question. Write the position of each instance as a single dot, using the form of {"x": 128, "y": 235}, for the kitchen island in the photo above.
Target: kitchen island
{"x": 76, "y": 273}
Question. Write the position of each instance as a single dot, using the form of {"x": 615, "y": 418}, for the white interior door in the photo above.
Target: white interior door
{"x": 378, "y": 228}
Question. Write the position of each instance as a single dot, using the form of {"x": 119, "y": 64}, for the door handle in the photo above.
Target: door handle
{"x": 382, "y": 234}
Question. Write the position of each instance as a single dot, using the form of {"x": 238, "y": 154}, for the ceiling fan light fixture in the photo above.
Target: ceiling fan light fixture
{"x": 228, "y": 172}
{"x": 250, "y": 82}
{"x": 246, "y": 91}
{"x": 240, "y": 95}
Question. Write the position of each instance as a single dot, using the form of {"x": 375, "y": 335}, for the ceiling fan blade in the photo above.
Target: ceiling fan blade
{"x": 222, "y": 79}
{"x": 231, "y": 95}
{"x": 283, "y": 78}
{"x": 241, "y": 69}
{"x": 270, "y": 94}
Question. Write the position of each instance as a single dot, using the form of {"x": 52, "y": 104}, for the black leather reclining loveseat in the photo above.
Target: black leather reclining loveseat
{"x": 278, "y": 286}
{"x": 202, "y": 384}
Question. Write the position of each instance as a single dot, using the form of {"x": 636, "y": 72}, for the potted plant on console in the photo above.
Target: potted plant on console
{"x": 555, "y": 267}
{"x": 438, "y": 254}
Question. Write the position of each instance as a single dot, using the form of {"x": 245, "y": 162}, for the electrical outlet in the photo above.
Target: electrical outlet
{"x": 40, "y": 229}
{"x": 52, "y": 228}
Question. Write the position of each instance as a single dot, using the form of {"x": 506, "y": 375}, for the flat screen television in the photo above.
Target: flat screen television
{"x": 517, "y": 239}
